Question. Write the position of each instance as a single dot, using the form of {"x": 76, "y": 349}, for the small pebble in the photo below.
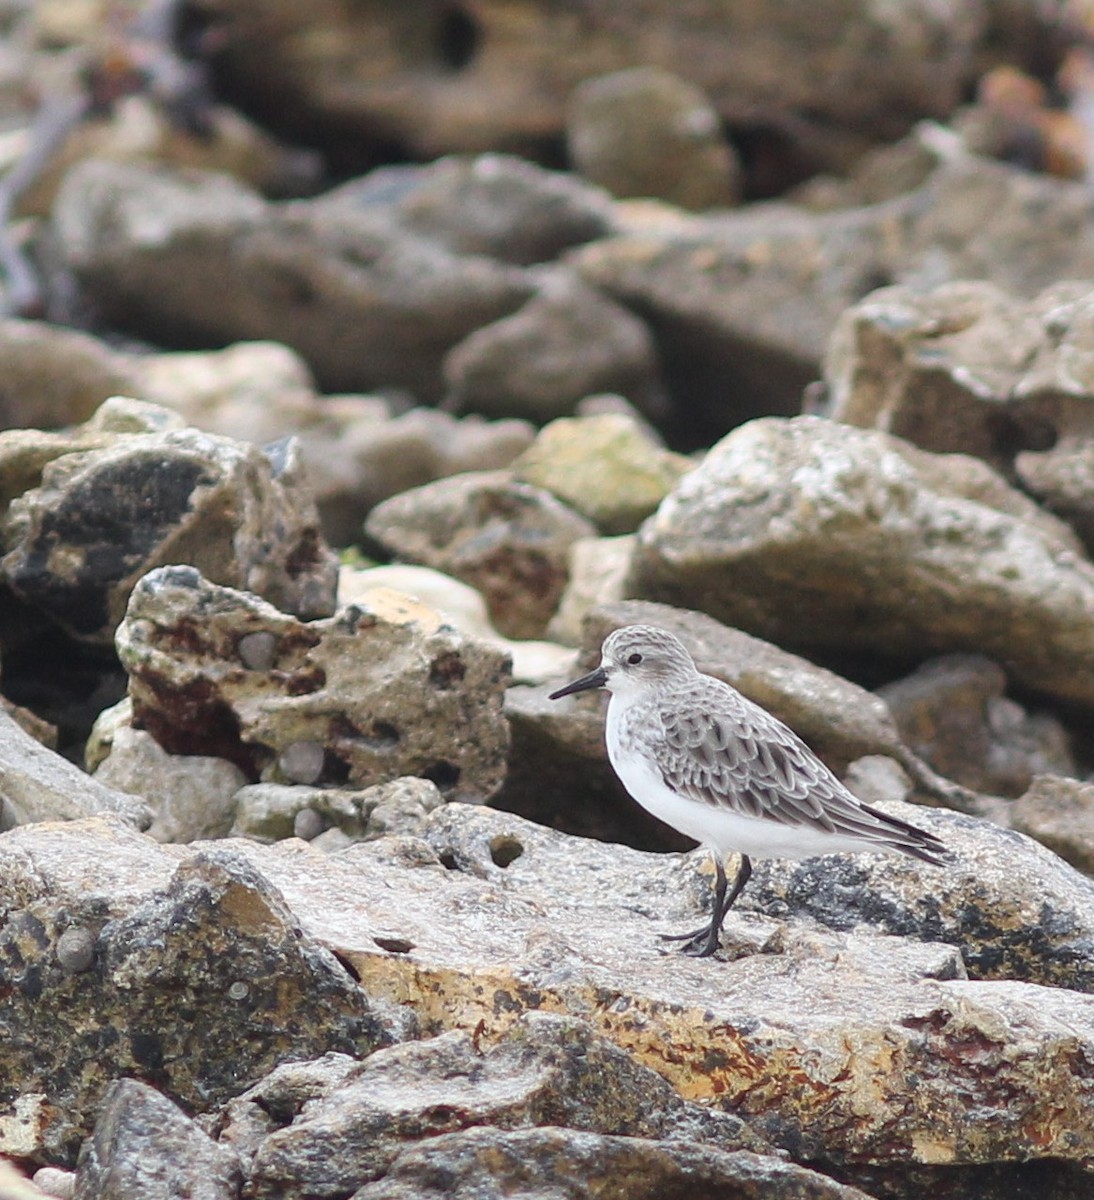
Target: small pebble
{"x": 55, "y": 1182}
{"x": 307, "y": 824}
{"x": 257, "y": 651}
{"x": 76, "y": 948}
{"x": 302, "y": 762}
{"x": 239, "y": 990}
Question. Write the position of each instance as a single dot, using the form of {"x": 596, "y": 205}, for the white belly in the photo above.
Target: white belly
{"x": 718, "y": 827}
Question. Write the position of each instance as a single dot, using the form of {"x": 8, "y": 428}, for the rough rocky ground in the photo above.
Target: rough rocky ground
{"x": 359, "y": 372}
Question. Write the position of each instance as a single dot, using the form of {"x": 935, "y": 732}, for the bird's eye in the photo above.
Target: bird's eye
{"x": 634, "y": 659}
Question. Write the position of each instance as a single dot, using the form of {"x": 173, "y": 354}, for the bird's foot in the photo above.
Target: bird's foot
{"x": 699, "y": 943}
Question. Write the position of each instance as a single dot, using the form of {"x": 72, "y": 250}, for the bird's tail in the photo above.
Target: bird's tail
{"x": 896, "y": 834}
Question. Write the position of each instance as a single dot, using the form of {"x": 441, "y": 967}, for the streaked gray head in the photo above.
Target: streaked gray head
{"x": 635, "y": 658}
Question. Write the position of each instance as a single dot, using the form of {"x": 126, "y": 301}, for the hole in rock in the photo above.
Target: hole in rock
{"x": 444, "y": 774}
{"x": 458, "y": 38}
{"x": 505, "y": 849}
{"x": 447, "y": 860}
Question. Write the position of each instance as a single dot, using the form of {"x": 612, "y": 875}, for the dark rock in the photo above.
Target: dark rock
{"x": 563, "y": 1164}
{"x": 143, "y": 1145}
{"x": 567, "y": 342}
{"x": 548, "y": 1070}
{"x": 198, "y": 988}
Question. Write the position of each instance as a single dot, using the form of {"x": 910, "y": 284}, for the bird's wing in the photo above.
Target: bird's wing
{"x": 720, "y": 749}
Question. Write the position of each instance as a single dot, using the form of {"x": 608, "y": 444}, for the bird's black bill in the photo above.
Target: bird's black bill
{"x": 594, "y": 679}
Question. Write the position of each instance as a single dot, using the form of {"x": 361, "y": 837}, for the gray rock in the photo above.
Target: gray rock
{"x": 76, "y": 543}
{"x": 268, "y": 812}
{"x": 1062, "y": 478}
{"x": 507, "y": 539}
{"x": 647, "y": 132}
{"x": 967, "y": 367}
{"x": 200, "y": 979}
{"x": 366, "y": 305}
{"x": 744, "y": 303}
{"x": 953, "y": 712}
{"x": 567, "y": 342}
{"x": 37, "y": 784}
{"x": 191, "y": 796}
{"x": 564, "y": 1164}
{"x": 144, "y": 1145}
{"x": 546, "y": 1070}
{"x": 491, "y": 204}
{"x": 382, "y": 689}
{"x": 836, "y": 540}
{"x": 1059, "y": 813}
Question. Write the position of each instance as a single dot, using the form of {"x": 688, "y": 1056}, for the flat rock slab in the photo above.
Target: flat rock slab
{"x": 842, "y": 1047}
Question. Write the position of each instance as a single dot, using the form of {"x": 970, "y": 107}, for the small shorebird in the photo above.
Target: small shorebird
{"x": 707, "y": 761}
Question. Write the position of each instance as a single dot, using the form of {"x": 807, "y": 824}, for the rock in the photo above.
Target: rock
{"x": 487, "y": 917}
{"x": 268, "y": 812}
{"x": 201, "y": 979}
{"x": 599, "y": 568}
{"x": 432, "y": 82}
{"x": 744, "y": 302}
{"x": 1059, "y": 813}
{"x": 507, "y": 539}
{"x": 567, "y": 342}
{"x": 51, "y": 377}
{"x": 833, "y": 540}
{"x": 192, "y": 797}
{"x": 648, "y": 132}
{"x": 144, "y": 1145}
{"x": 52, "y": 1181}
{"x": 966, "y": 367}
{"x": 1062, "y": 479}
{"x": 496, "y": 205}
{"x": 366, "y": 305}
{"x": 461, "y": 606}
{"x": 564, "y": 1164}
{"x": 37, "y": 784}
{"x": 547, "y": 1069}
{"x": 604, "y": 468}
{"x": 953, "y": 712}
{"x": 382, "y": 689}
{"x": 99, "y": 518}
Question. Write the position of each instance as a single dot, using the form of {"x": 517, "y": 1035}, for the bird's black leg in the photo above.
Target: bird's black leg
{"x": 703, "y": 942}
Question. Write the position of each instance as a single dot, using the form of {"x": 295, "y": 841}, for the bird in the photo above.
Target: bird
{"x": 706, "y": 760}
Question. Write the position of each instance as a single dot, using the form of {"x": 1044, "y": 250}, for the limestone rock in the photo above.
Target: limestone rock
{"x": 547, "y": 1069}
{"x": 365, "y": 304}
{"x": 826, "y": 538}
{"x": 1062, "y": 478}
{"x": 496, "y": 205}
{"x": 599, "y": 568}
{"x": 1059, "y": 813}
{"x": 37, "y": 784}
{"x": 967, "y": 367}
{"x": 567, "y": 342}
{"x": 462, "y": 607}
{"x": 745, "y": 302}
{"x": 380, "y": 690}
{"x": 953, "y": 712}
{"x": 564, "y": 1164}
{"x": 199, "y": 977}
{"x": 604, "y": 468}
{"x": 268, "y": 812}
{"x": 507, "y": 539}
{"x": 99, "y": 518}
{"x": 193, "y": 797}
{"x": 144, "y": 1145}
{"x": 647, "y": 132}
